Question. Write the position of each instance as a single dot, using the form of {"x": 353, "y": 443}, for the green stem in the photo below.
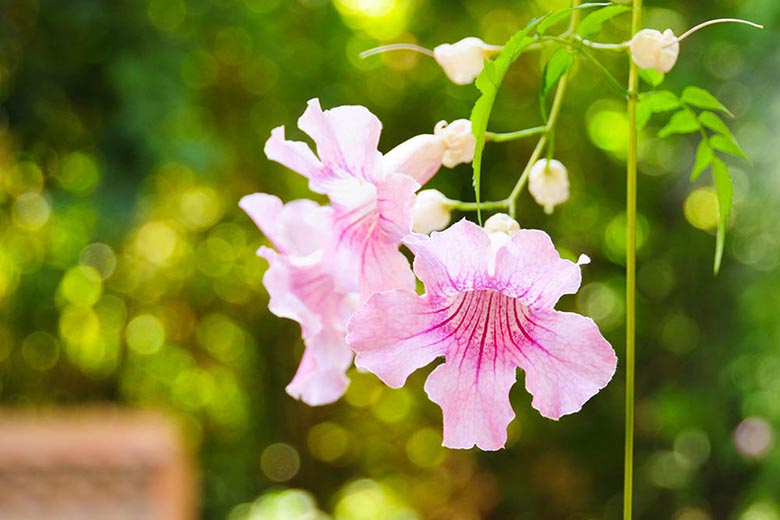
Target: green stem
{"x": 473, "y": 206}
{"x": 631, "y": 174}
{"x": 560, "y": 92}
{"x": 614, "y": 83}
{"x": 615, "y": 47}
{"x": 510, "y": 136}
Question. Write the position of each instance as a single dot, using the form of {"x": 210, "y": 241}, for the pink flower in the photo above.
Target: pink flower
{"x": 372, "y": 207}
{"x": 303, "y": 287}
{"x": 488, "y": 308}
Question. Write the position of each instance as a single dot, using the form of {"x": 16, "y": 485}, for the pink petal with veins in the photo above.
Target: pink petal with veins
{"x": 487, "y": 310}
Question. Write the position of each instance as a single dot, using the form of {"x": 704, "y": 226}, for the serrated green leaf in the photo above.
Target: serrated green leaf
{"x": 660, "y": 101}
{"x": 652, "y": 77}
{"x": 727, "y": 145}
{"x": 592, "y": 23}
{"x": 700, "y": 98}
{"x": 559, "y": 63}
{"x": 725, "y": 192}
{"x": 643, "y": 113}
{"x": 703, "y": 159}
{"x": 488, "y": 83}
{"x": 554, "y": 18}
{"x": 682, "y": 122}
{"x": 714, "y": 123}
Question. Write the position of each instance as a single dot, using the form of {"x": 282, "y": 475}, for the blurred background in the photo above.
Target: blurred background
{"x": 128, "y": 132}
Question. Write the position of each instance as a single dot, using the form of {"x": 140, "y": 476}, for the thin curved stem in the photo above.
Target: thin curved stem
{"x": 511, "y": 136}
{"x": 713, "y": 22}
{"x": 631, "y": 189}
{"x": 396, "y": 47}
{"x": 615, "y": 47}
{"x": 560, "y": 93}
{"x": 613, "y": 82}
{"x": 473, "y": 206}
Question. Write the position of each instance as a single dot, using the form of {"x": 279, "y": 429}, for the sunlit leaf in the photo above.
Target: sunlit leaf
{"x": 700, "y": 98}
{"x": 682, "y": 122}
{"x": 554, "y": 18}
{"x": 703, "y": 159}
{"x": 725, "y": 191}
{"x": 488, "y": 83}
{"x": 714, "y": 123}
{"x": 559, "y": 63}
{"x": 662, "y": 101}
{"x": 727, "y": 145}
{"x": 651, "y": 76}
{"x": 643, "y": 113}
{"x": 592, "y": 23}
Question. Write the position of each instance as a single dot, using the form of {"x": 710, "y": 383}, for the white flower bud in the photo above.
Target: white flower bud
{"x": 652, "y": 50}
{"x": 548, "y": 183}
{"x": 459, "y": 142}
{"x": 431, "y": 212}
{"x": 463, "y": 61}
{"x": 501, "y": 223}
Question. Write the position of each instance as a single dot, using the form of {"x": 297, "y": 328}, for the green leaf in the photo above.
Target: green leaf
{"x": 643, "y": 113}
{"x": 651, "y": 76}
{"x": 714, "y": 123}
{"x": 662, "y": 101}
{"x": 554, "y": 18}
{"x": 727, "y": 145}
{"x": 592, "y": 23}
{"x": 725, "y": 191}
{"x": 704, "y": 156}
{"x": 700, "y": 98}
{"x": 559, "y": 63}
{"x": 488, "y": 83}
{"x": 682, "y": 122}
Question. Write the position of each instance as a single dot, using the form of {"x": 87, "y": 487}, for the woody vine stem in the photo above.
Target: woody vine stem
{"x": 631, "y": 170}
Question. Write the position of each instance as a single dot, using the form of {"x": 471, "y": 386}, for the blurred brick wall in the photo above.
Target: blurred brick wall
{"x": 93, "y": 464}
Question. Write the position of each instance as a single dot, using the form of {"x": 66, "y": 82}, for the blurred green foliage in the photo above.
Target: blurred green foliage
{"x": 130, "y": 129}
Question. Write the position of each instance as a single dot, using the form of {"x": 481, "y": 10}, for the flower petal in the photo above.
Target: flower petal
{"x": 565, "y": 358}
{"x": 395, "y": 202}
{"x": 453, "y": 260}
{"x": 295, "y": 155}
{"x": 347, "y": 138}
{"x": 419, "y": 157}
{"x": 474, "y": 400}
{"x": 384, "y": 268}
{"x": 299, "y": 228}
{"x": 321, "y": 376}
{"x": 370, "y": 221}
{"x": 298, "y": 292}
{"x": 392, "y": 334}
{"x": 529, "y": 268}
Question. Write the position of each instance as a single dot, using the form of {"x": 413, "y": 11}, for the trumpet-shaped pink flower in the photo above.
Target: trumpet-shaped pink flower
{"x": 488, "y": 309}
{"x": 303, "y": 287}
{"x": 372, "y": 207}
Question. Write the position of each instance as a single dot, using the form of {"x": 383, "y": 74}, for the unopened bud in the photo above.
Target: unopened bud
{"x": 431, "y": 212}
{"x": 650, "y": 49}
{"x": 459, "y": 142}
{"x": 501, "y": 223}
{"x": 419, "y": 157}
{"x": 463, "y": 61}
{"x": 548, "y": 183}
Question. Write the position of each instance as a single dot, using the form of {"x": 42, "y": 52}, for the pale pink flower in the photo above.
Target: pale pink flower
{"x": 372, "y": 207}
{"x": 488, "y": 309}
{"x": 422, "y": 156}
{"x": 431, "y": 211}
{"x": 462, "y": 61}
{"x": 652, "y": 49}
{"x": 303, "y": 287}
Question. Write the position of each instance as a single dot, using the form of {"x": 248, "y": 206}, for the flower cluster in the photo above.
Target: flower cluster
{"x": 490, "y": 292}
{"x": 328, "y": 259}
